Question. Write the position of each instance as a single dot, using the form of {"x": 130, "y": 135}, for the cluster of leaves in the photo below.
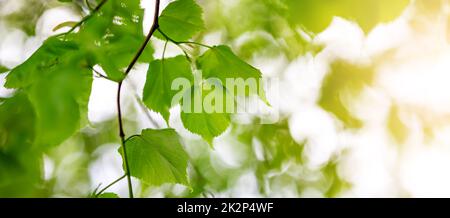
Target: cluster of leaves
{"x": 56, "y": 82}
{"x": 53, "y": 86}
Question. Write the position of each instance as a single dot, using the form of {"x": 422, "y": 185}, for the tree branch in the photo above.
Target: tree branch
{"x": 119, "y": 92}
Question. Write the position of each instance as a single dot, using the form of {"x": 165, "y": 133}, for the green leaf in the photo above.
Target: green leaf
{"x": 113, "y": 35}
{"x": 316, "y": 15}
{"x": 181, "y": 20}
{"x": 20, "y": 166}
{"x": 58, "y": 84}
{"x": 204, "y": 114}
{"x": 206, "y": 111}
{"x": 16, "y": 123}
{"x": 158, "y": 94}
{"x": 341, "y": 86}
{"x": 207, "y": 125}
{"x": 46, "y": 57}
{"x": 157, "y": 157}
{"x": 108, "y": 195}
{"x": 220, "y": 62}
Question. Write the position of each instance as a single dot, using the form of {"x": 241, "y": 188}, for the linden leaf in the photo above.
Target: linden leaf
{"x": 157, "y": 157}
{"x": 206, "y": 111}
{"x": 181, "y": 20}
{"x": 58, "y": 84}
{"x": 113, "y": 35}
{"x": 220, "y": 62}
{"x": 158, "y": 93}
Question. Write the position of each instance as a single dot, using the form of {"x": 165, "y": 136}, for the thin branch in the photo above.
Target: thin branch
{"x": 195, "y": 43}
{"x": 177, "y": 44}
{"x": 119, "y": 92}
{"x": 108, "y": 186}
{"x": 100, "y": 75}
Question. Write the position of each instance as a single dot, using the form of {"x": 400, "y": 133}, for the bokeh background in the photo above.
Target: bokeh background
{"x": 362, "y": 113}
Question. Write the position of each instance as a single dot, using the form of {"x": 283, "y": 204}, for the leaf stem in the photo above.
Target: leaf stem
{"x": 182, "y": 42}
{"x": 108, "y": 186}
{"x": 100, "y": 75}
{"x": 119, "y": 92}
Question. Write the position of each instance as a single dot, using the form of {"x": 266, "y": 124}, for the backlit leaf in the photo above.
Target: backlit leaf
{"x": 158, "y": 92}
{"x": 58, "y": 84}
{"x": 220, "y": 62}
{"x": 157, "y": 157}
{"x": 181, "y": 20}
{"x": 114, "y": 34}
{"x": 205, "y": 117}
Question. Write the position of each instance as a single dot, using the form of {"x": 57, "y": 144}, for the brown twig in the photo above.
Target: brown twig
{"x": 154, "y": 27}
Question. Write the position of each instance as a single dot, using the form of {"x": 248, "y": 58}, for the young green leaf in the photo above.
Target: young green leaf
{"x": 113, "y": 35}
{"x": 181, "y": 20}
{"x": 46, "y": 57}
{"x": 20, "y": 166}
{"x": 220, "y": 62}
{"x": 158, "y": 92}
{"x": 206, "y": 125}
{"x": 157, "y": 157}
{"x": 17, "y": 120}
{"x": 58, "y": 84}
{"x": 206, "y": 112}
